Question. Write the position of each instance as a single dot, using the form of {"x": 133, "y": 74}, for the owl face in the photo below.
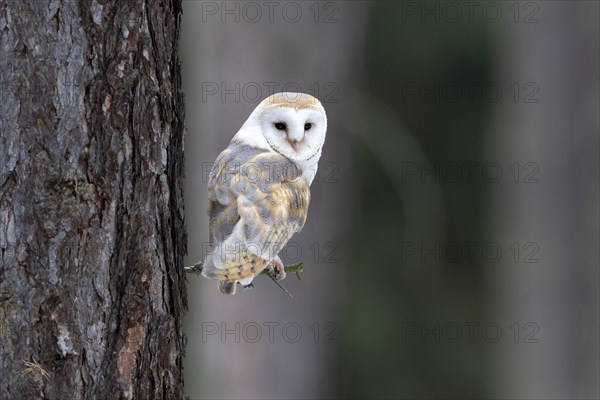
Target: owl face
{"x": 291, "y": 124}
{"x": 296, "y": 133}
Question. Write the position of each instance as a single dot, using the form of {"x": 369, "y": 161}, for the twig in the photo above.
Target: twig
{"x": 279, "y": 284}
{"x": 196, "y": 269}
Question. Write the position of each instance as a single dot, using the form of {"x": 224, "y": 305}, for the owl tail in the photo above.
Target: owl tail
{"x": 234, "y": 271}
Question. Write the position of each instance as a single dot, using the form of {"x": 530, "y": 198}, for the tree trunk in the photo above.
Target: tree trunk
{"x": 91, "y": 208}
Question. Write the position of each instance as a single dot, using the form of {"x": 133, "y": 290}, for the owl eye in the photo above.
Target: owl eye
{"x": 307, "y": 126}
{"x": 280, "y": 126}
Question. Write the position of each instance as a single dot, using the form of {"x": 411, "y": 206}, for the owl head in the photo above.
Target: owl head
{"x": 291, "y": 124}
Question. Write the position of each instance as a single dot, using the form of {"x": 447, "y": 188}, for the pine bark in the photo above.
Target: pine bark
{"x": 92, "y": 236}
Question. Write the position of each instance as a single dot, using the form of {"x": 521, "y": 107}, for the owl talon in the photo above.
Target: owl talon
{"x": 278, "y": 270}
{"x": 248, "y": 286}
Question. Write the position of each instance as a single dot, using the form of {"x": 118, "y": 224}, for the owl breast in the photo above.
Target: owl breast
{"x": 257, "y": 201}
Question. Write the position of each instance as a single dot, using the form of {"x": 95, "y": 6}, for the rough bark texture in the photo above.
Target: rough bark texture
{"x": 91, "y": 208}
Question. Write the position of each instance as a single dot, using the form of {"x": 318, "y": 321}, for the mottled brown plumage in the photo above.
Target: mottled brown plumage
{"x": 258, "y": 190}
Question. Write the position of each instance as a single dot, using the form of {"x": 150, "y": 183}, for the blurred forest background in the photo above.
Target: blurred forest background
{"x": 451, "y": 248}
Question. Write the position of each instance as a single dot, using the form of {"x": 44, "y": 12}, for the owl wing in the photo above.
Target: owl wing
{"x": 257, "y": 201}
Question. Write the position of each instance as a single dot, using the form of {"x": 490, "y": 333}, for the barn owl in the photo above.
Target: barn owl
{"x": 259, "y": 188}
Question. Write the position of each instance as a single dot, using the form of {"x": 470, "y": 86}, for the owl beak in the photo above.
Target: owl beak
{"x": 294, "y": 143}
